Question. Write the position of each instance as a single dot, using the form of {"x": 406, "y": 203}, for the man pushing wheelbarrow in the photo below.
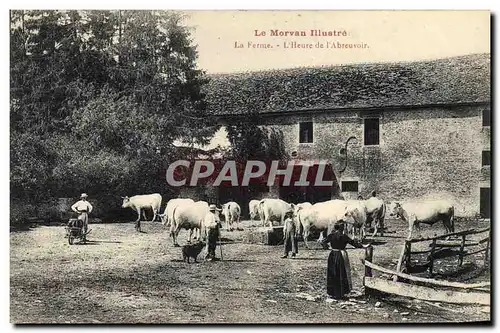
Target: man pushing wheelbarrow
{"x": 83, "y": 208}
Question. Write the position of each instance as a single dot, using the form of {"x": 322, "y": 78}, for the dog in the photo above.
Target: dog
{"x": 192, "y": 251}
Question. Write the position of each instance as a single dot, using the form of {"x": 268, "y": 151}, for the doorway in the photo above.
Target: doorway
{"x": 311, "y": 193}
{"x": 485, "y": 202}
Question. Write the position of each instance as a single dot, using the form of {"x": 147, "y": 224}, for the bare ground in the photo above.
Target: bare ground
{"x": 122, "y": 276}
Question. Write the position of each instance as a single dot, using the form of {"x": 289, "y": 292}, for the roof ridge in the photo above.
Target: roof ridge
{"x": 353, "y": 64}
{"x": 449, "y": 80}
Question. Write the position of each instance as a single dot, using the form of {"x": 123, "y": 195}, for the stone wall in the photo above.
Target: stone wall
{"x": 423, "y": 153}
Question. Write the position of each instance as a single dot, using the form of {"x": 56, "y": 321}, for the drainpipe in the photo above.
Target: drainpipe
{"x": 344, "y": 151}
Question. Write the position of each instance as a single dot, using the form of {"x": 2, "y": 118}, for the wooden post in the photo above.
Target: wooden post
{"x": 401, "y": 261}
{"x": 368, "y": 269}
{"x": 461, "y": 253}
{"x": 368, "y": 257}
{"x": 408, "y": 256}
{"x": 431, "y": 258}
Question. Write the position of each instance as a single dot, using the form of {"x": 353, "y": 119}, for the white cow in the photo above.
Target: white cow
{"x": 140, "y": 203}
{"x": 428, "y": 212}
{"x": 355, "y": 216}
{"x": 274, "y": 209}
{"x": 231, "y": 212}
{"x": 375, "y": 211}
{"x": 189, "y": 216}
{"x": 320, "y": 215}
{"x": 166, "y": 217}
{"x": 304, "y": 205}
{"x": 253, "y": 208}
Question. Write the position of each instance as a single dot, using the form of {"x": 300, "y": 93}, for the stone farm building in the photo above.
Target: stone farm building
{"x": 422, "y": 128}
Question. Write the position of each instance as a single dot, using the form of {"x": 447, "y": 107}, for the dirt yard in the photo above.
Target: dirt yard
{"x": 122, "y": 276}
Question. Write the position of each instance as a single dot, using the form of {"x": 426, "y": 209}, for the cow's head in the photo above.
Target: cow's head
{"x": 163, "y": 218}
{"x": 292, "y": 211}
{"x": 296, "y": 208}
{"x": 351, "y": 215}
{"x": 126, "y": 202}
{"x": 395, "y": 209}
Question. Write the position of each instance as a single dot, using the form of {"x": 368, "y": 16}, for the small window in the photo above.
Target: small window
{"x": 486, "y": 117}
{"x": 371, "y": 131}
{"x": 350, "y": 186}
{"x": 486, "y": 157}
{"x": 306, "y": 132}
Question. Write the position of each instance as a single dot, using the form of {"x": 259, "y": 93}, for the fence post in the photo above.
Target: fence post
{"x": 401, "y": 260}
{"x": 461, "y": 253}
{"x": 368, "y": 270}
{"x": 368, "y": 257}
{"x": 408, "y": 256}
{"x": 431, "y": 257}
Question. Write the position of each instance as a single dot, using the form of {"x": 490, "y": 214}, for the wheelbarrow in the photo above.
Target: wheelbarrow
{"x": 74, "y": 230}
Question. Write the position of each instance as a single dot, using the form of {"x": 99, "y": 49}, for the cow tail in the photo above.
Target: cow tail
{"x": 300, "y": 227}
{"x": 382, "y": 216}
{"x": 260, "y": 209}
{"x": 172, "y": 223}
{"x": 158, "y": 207}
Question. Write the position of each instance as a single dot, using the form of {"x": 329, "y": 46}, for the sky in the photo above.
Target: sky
{"x": 387, "y": 36}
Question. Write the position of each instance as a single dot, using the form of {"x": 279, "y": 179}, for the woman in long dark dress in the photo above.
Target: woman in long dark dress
{"x": 338, "y": 276}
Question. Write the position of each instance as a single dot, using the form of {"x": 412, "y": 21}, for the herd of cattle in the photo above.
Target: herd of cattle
{"x": 355, "y": 214}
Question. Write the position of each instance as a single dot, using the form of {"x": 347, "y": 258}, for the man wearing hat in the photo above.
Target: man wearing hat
{"x": 212, "y": 225}
{"x": 290, "y": 234}
{"x": 84, "y": 208}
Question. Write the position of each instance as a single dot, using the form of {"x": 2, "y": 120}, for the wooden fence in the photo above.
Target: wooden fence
{"x": 428, "y": 289}
{"x": 443, "y": 246}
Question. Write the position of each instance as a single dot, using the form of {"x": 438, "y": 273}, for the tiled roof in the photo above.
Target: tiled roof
{"x": 463, "y": 79}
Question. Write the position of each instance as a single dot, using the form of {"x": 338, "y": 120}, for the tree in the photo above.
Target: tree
{"x": 97, "y": 98}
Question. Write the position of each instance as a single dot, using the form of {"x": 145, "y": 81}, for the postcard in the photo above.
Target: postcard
{"x": 250, "y": 167}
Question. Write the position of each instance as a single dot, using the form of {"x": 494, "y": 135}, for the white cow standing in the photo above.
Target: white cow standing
{"x": 167, "y": 216}
{"x": 303, "y": 205}
{"x": 375, "y": 211}
{"x": 355, "y": 216}
{"x": 140, "y": 203}
{"x": 321, "y": 215}
{"x": 253, "y": 208}
{"x": 189, "y": 216}
{"x": 231, "y": 212}
{"x": 274, "y": 209}
{"x": 428, "y": 212}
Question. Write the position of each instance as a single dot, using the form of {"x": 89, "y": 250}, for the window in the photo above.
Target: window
{"x": 306, "y": 132}
{"x": 486, "y": 117}
{"x": 350, "y": 186}
{"x": 371, "y": 131}
{"x": 486, "y": 157}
